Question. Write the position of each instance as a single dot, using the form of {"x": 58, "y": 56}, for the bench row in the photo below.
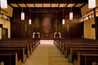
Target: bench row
{"x": 80, "y": 52}
{"x": 16, "y": 51}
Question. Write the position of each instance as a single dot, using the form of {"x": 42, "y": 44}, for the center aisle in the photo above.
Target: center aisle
{"x": 47, "y": 54}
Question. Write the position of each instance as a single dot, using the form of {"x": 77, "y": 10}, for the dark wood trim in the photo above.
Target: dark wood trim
{"x": 58, "y": 5}
{"x": 75, "y": 5}
{"x": 82, "y": 5}
{"x": 18, "y": 4}
{"x": 66, "y": 5}
{"x": 34, "y": 5}
{"x": 4, "y": 11}
{"x": 10, "y": 5}
{"x": 96, "y": 24}
{"x": 26, "y": 5}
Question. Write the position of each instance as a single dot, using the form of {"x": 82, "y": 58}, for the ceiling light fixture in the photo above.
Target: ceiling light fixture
{"x": 3, "y": 3}
{"x": 91, "y": 3}
{"x": 63, "y": 20}
{"x": 22, "y": 16}
{"x": 30, "y": 21}
{"x": 22, "y": 13}
{"x": 71, "y": 14}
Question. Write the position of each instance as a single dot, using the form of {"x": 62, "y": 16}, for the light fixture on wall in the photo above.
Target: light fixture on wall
{"x": 91, "y": 3}
{"x": 63, "y": 20}
{"x": 22, "y": 13}
{"x": 3, "y": 3}
{"x": 71, "y": 15}
{"x": 30, "y": 21}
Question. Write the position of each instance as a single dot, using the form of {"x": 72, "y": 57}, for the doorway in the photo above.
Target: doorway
{"x": 4, "y": 33}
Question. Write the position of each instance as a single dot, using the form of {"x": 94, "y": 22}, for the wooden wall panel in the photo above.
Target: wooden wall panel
{"x": 97, "y": 3}
{"x": 72, "y": 29}
{"x": 18, "y": 26}
{"x": 7, "y": 11}
{"x": 89, "y": 32}
{"x": 85, "y": 9}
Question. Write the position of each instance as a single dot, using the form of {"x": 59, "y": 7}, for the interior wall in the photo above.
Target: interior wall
{"x": 18, "y": 26}
{"x": 6, "y": 24}
{"x": 72, "y": 29}
{"x": 89, "y": 32}
{"x": 0, "y": 33}
{"x": 7, "y": 11}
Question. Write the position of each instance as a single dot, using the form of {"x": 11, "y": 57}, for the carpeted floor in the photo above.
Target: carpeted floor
{"x": 47, "y": 54}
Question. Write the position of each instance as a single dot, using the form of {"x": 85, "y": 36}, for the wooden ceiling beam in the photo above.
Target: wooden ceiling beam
{"x": 10, "y": 5}
{"x": 66, "y": 5}
{"x": 59, "y": 5}
{"x": 82, "y": 5}
{"x": 74, "y": 5}
{"x": 18, "y": 4}
{"x": 48, "y": 1}
{"x": 26, "y": 5}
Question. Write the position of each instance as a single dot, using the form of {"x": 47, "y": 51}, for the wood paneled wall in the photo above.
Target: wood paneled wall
{"x": 7, "y": 11}
{"x": 89, "y": 31}
{"x": 18, "y": 26}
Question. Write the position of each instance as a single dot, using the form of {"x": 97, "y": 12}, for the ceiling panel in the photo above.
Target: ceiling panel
{"x": 38, "y": 5}
{"x": 78, "y": 5}
{"x": 14, "y": 5}
{"x": 62, "y": 5}
{"x": 30, "y": 5}
{"x": 46, "y": 5}
{"x": 54, "y": 5}
{"x": 48, "y": 1}
{"x": 70, "y": 5}
{"x": 22, "y": 5}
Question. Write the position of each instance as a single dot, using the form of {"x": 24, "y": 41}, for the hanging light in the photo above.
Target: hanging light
{"x": 92, "y": 3}
{"x": 3, "y": 3}
{"x": 63, "y": 21}
{"x": 71, "y": 15}
{"x": 30, "y": 21}
{"x": 22, "y": 15}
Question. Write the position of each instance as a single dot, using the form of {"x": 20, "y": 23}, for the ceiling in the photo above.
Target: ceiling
{"x": 47, "y": 3}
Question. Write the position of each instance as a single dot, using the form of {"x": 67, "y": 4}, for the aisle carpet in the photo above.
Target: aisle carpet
{"x": 47, "y": 54}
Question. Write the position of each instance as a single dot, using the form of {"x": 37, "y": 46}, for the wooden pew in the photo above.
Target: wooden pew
{"x": 78, "y": 41}
{"x": 15, "y": 45}
{"x": 85, "y": 57}
{"x": 22, "y": 48}
{"x": 20, "y": 51}
{"x": 28, "y": 42}
{"x": 73, "y": 50}
{"x": 31, "y": 42}
{"x": 67, "y": 49}
{"x": 9, "y": 57}
{"x": 67, "y": 46}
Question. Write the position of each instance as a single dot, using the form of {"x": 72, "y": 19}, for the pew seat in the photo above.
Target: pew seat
{"x": 85, "y": 57}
